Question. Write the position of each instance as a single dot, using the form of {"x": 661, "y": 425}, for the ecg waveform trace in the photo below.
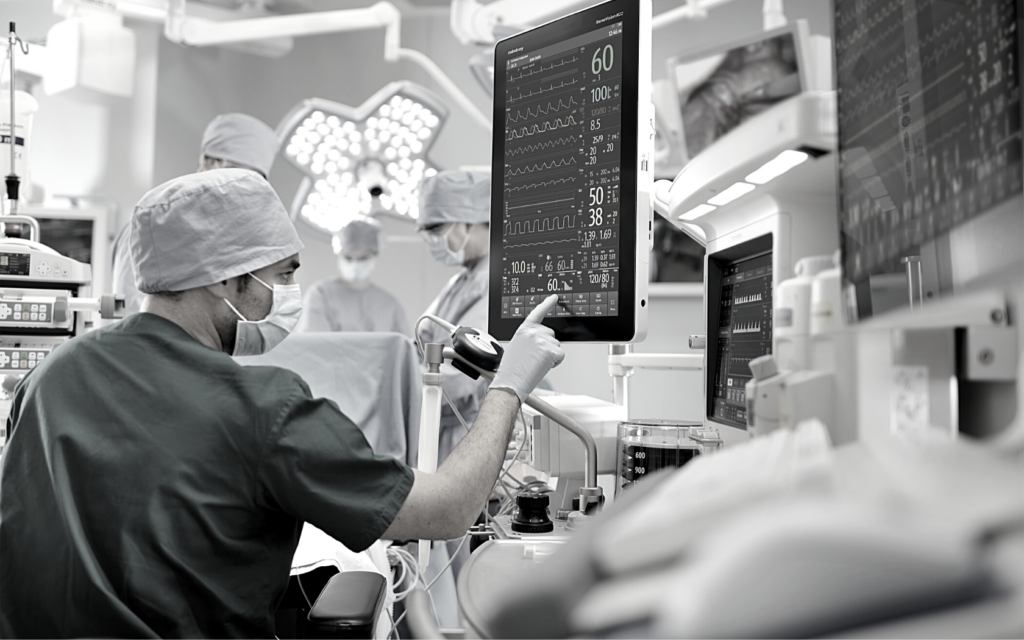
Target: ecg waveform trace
{"x": 542, "y": 69}
{"x": 554, "y": 223}
{"x": 545, "y": 166}
{"x": 539, "y": 146}
{"x": 552, "y": 87}
{"x": 561, "y": 106}
{"x": 539, "y": 185}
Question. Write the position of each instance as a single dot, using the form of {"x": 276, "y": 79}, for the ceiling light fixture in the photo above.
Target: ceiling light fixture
{"x": 367, "y": 160}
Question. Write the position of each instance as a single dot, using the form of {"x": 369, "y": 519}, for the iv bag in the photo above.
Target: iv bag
{"x": 25, "y": 107}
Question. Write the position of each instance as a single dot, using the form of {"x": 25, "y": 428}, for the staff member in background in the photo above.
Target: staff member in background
{"x": 349, "y": 301}
{"x": 231, "y": 140}
{"x": 454, "y": 221}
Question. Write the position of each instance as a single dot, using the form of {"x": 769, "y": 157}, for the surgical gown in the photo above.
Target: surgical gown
{"x": 335, "y": 305}
{"x": 154, "y": 487}
{"x": 463, "y": 301}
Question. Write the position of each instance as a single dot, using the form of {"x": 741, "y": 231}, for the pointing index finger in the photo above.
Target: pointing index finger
{"x": 541, "y": 310}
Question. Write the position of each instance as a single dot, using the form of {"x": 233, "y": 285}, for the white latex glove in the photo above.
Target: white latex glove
{"x": 532, "y": 352}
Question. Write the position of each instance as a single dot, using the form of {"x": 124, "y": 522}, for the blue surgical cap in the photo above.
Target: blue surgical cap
{"x": 241, "y": 139}
{"x": 207, "y": 227}
{"x": 455, "y": 196}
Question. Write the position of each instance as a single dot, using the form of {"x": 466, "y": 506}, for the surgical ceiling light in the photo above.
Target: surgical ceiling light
{"x": 367, "y": 160}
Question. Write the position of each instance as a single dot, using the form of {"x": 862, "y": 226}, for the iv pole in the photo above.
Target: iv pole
{"x": 12, "y": 180}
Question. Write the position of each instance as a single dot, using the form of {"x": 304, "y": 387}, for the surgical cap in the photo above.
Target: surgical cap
{"x": 207, "y": 227}
{"x": 455, "y": 196}
{"x": 241, "y": 139}
{"x": 358, "y": 235}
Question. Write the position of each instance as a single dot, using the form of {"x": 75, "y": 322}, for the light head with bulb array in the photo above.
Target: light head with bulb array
{"x": 367, "y": 160}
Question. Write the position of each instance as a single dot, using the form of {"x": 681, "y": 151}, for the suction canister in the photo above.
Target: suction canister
{"x": 646, "y": 446}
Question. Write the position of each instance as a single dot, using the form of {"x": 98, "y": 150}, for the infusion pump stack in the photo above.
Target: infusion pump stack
{"x": 45, "y": 299}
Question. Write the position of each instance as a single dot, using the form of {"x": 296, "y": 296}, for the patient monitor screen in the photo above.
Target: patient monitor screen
{"x": 558, "y": 220}
{"x": 743, "y": 332}
{"x": 562, "y": 165}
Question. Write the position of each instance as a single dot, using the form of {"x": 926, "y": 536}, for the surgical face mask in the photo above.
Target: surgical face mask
{"x": 439, "y": 250}
{"x": 356, "y": 271}
{"x": 255, "y": 337}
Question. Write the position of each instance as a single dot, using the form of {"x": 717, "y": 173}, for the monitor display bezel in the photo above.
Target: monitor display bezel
{"x": 623, "y": 327}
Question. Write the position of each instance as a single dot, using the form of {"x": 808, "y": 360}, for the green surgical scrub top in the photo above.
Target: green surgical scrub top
{"x": 152, "y": 486}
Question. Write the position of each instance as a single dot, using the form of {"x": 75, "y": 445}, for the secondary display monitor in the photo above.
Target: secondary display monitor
{"x": 721, "y": 87}
{"x": 570, "y": 207}
{"x": 739, "y": 325}
{"x": 930, "y": 139}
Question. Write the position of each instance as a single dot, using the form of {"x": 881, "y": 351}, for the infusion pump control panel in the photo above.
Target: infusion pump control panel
{"x": 21, "y": 262}
{"x": 40, "y": 309}
{"x": 36, "y": 288}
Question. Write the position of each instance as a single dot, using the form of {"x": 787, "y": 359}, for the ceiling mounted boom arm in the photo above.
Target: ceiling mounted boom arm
{"x": 200, "y": 32}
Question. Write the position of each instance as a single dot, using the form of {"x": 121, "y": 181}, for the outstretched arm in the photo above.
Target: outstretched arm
{"x": 443, "y": 505}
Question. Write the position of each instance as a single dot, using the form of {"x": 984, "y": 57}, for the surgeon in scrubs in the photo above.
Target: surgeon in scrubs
{"x": 454, "y": 221}
{"x": 152, "y": 486}
{"x": 349, "y": 301}
{"x": 230, "y": 140}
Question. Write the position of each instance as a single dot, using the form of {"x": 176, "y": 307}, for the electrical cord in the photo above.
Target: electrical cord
{"x": 408, "y": 566}
{"x": 444, "y": 324}
{"x": 394, "y": 628}
{"x": 404, "y": 556}
{"x": 298, "y": 578}
{"x": 499, "y": 482}
{"x": 515, "y": 457}
{"x": 455, "y": 410}
{"x": 447, "y": 326}
{"x": 445, "y": 568}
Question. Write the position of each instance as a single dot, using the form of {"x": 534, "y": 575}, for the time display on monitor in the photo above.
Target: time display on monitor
{"x": 560, "y": 224}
